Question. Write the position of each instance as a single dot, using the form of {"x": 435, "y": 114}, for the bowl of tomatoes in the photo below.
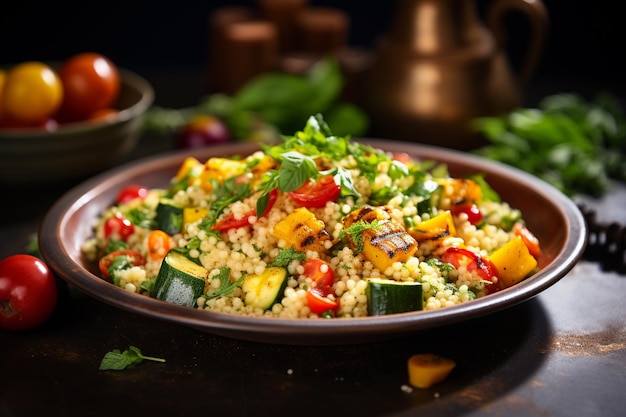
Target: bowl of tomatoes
{"x": 68, "y": 120}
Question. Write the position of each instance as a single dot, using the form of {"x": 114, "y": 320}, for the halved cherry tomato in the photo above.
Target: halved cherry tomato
{"x": 230, "y": 222}
{"x": 131, "y": 192}
{"x": 159, "y": 243}
{"x": 473, "y": 262}
{"x": 28, "y": 292}
{"x": 319, "y": 302}
{"x": 319, "y": 271}
{"x": 134, "y": 258}
{"x": 118, "y": 226}
{"x": 316, "y": 193}
{"x": 529, "y": 239}
{"x": 474, "y": 216}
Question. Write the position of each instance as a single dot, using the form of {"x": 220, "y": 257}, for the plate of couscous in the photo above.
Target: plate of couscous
{"x": 316, "y": 239}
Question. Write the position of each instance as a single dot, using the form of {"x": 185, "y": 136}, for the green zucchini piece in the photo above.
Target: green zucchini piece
{"x": 386, "y": 296}
{"x": 265, "y": 289}
{"x": 169, "y": 217}
{"x": 180, "y": 280}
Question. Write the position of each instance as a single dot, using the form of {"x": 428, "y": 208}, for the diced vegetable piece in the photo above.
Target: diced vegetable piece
{"x": 385, "y": 242}
{"x": 427, "y": 369}
{"x": 180, "y": 280}
{"x": 169, "y": 217}
{"x": 193, "y": 214}
{"x": 220, "y": 169}
{"x": 190, "y": 168}
{"x": 265, "y": 289}
{"x": 513, "y": 262}
{"x": 439, "y": 226}
{"x": 159, "y": 244}
{"x": 386, "y": 296}
{"x": 458, "y": 191}
{"x": 302, "y": 230}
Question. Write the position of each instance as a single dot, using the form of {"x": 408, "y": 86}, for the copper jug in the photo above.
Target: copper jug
{"x": 440, "y": 67}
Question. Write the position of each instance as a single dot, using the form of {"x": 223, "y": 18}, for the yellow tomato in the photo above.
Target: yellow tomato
{"x": 32, "y": 92}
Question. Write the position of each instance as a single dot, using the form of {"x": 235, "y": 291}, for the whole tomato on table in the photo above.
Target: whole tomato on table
{"x": 28, "y": 292}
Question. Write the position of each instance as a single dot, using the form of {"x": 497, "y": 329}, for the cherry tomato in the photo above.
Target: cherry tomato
{"x": 231, "y": 222}
{"x": 529, "y": 239}
{"x": 320, "y": 303}
{"x": 316, "y": 193}
{"x": 159, "y": 243}
{"x": 104, "y": 114}
{"x": 133, "y": 257}
{"x": 90, "y": 82}
{"x": 130, "y": 192}
{"x": 28, "y": 292}
{"x": 118, "y": 226}
{"x": 473, "y": 262}
{"x": 202, "y": 130}
{"x": 403, "y": 157}
{"x": 474, "y": 216}
{"x": 319, "y": 271}
{"x": 32, "y": 93}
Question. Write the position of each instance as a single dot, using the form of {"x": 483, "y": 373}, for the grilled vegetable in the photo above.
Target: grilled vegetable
{"x": 386, "y": 296}
{"x": 427, "y": 369}
{"x": 302, "y": 230}
{"x": 513, "y": 262}
{"x": 180, "y": 280}
{"x": 381, "y": 240}
{"x": 436, "y": 227}
{"x": 265, "y": 289}
{"x": 193, "y": 214}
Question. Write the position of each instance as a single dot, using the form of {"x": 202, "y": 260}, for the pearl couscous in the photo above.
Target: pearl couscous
{"x": 316, "y": 226}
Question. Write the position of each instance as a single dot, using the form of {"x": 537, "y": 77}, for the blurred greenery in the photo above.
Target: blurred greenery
{"x": 578, "y": 146}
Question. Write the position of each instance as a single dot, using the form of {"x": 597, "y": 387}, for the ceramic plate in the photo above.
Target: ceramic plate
{"x": 553, "y": 217}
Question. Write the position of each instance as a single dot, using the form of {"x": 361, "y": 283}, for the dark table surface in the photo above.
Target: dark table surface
{"x": 562, "y": 353}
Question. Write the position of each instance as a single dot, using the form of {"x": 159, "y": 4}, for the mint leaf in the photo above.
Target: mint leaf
{"x": 117, "y": 360}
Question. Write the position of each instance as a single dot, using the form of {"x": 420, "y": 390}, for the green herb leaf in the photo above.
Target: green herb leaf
{"x": 117, "y": 360}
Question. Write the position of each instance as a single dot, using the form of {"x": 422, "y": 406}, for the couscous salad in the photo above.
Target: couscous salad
{"x": 317, "y": 226}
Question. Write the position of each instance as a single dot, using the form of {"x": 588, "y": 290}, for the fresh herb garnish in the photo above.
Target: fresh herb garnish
{"x": 355, "y": 231}
{"x": 226, "y": 287}
{"x": 285, "y": 256}
{"x": 117, "y": 360}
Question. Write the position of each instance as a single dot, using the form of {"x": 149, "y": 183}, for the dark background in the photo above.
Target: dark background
{"x": 584, "y": 51}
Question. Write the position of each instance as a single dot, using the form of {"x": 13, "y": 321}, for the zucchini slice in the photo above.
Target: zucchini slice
{"x": 386, "y": 296}
{"x": 180, "y": 280}
{"x": 169, "y": 217}
{"x": 265, "y": 289}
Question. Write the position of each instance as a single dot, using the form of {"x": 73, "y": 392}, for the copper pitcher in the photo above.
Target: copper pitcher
{"x": 440, "y": 67}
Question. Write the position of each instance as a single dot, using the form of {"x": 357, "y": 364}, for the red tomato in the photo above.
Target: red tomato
{"x": 118, "y": 226}
{"x": 319, "y": 271}
{"x": 473, "y": 262}
{"x": 28, "y": 292}
{"x": 103, "y": 114}
{"x": 319, "y": 303}
{"x": 474, "y": 216}
{"x": 230, "y": 222}
{"x": 316, "y": 193}
{"x": 130, "y": 192}
{"x": 134, "y": 257}
{"x": 403, "y": 157}
{"x": 530, "y": 240}
{"x": 90, "y": 82}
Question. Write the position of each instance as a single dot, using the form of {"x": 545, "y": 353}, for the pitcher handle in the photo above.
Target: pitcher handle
{"x": 537, "y": 15}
